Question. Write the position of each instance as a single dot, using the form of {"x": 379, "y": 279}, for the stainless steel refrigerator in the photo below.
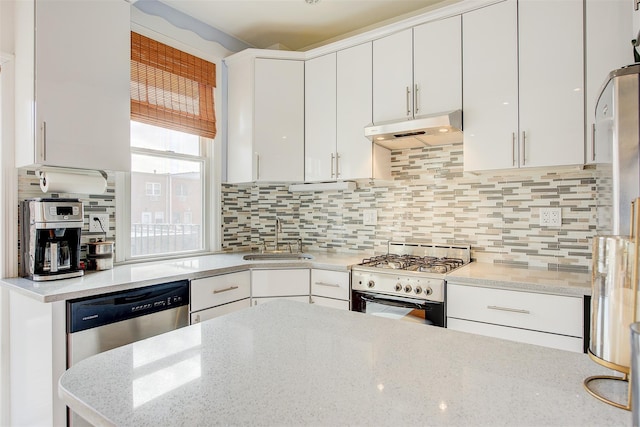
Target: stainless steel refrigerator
{"x": 617, "y": 147}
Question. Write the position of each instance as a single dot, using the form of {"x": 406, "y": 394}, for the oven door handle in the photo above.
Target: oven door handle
{"x": 402, "y": 304}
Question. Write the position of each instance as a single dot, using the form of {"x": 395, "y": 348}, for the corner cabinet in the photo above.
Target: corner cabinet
{"x": 266, "y": 120}
{"x": 549, "y": 320}
{"x": 511, "y": 119}
{"x": 72, "y": 84}
{"x": 338, "y": 103}
{"x": 291, "y": 284}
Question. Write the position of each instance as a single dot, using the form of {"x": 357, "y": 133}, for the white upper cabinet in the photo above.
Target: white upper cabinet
{"x": 490, "y": 81}
{"x": 521, "y": 108}
{"x": 393, "y": 77}
{"x": 357, "y": 157}
{"x": 418, "y": 71}
{"x": 320, "y": 118}
{"x": 608, "y": 47}
{"x": 266, "y": 120}
{"x": 551, "y": 82}
{"x": 72, "y": 84}
{"x": 337, "y": 108}
{"x": 437, "y": 66}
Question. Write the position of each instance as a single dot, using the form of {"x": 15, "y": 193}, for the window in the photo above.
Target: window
{"x": 152, "y": 189}
{"x": 172, "y": 126}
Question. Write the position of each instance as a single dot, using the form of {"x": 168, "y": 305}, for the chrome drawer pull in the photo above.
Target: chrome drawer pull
{"x": 219, "y": 291}
{"x": 332, "y": 285}
{"x": 512, "y": 310}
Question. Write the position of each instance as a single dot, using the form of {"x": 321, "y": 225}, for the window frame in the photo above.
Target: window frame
{"x": 209, "y": 160}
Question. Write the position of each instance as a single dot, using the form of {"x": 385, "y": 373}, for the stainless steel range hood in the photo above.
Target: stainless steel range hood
{"x": 436, "y": 129}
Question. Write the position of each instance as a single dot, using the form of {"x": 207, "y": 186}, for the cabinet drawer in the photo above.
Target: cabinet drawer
{"x": 331, "y": 284}
{"x": 217, "y": 290}
{"x": 272, "y": 283}
{"x": 210, "y": 313}
{"x": 330, "y": 302}
{"x": 539, "y": 312}
{"x": 561, "y": 342}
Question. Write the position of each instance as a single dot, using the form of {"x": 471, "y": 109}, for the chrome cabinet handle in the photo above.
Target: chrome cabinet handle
{"x": 513, "y": 148}
{"x": 511, "y": 310}
{"x": 524, "y": 148}
{"x": 197, "y": 319}
{"x": 593, "y": 142}
{"x": 408, "y": 100}
{"x": 219, "y": 291}
{"x": 44, "y": 141}
{"x": 416, "y": 108}
{"x": 331, "y": 285}
{"x": 337, "y": 165}
{"x": 332, "y": 159}
{"x": 257, "y": 166}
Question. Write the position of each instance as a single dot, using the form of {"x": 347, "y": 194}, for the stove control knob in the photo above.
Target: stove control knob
{"x": 418, "y": 290}
{"x": 407, "y": 288}
{"x": 371, "y": 284}
{"x": 428, "y": 290}
{"x": 398, "y": 287}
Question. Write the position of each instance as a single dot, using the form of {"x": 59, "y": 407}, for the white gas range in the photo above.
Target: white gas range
{"x": 408, "y": 282}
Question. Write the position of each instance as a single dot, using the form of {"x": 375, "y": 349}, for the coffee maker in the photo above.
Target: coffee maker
{"x": 51, "y": 231}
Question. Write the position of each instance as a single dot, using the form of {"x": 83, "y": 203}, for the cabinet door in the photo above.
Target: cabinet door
{"x": 551, "y": 83}
{"x": 240, "y": 153}
{"x": 258, "y": 301}
{"x": 221, "y": 310}
{"x": 607, "y": 48}
{"x": 279, "y": 120}
{"x": 437, "y": 66}
{"x": 330, "y": 302}
{"x": 393, "y": 77}
{"x": 354, "y": 103}
{"x": 82, "y": 84}
{"x": 320, "y": 118}
{"x": 270, "y": 283}
{"x": 490, "y": 81}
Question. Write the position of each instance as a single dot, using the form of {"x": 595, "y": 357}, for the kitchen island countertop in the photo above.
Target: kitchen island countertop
{"x": 289, "y": 363}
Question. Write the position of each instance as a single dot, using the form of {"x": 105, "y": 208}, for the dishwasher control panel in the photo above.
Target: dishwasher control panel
{"x": 91, "y": 312}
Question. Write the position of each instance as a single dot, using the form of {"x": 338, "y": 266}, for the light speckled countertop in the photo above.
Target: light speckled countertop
{"x": 131, "y": 276}
{"x": 288, "y": 363}
{"x": 526, "y": 279}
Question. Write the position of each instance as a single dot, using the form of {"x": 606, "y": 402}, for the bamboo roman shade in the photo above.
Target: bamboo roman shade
{"x": 171, "y": 88}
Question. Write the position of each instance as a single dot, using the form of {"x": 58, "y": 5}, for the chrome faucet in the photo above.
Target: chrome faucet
{"x": 278, "y": 231}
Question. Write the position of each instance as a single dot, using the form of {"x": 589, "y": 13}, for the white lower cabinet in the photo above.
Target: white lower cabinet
{"x": 267, "y": 285}
{"x": 214, "y": 296}
{"x": 330, "y": 288}
{"x": 548, "y": 320}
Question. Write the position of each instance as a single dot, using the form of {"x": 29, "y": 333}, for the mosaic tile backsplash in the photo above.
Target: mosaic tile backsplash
{"x": 432, "y": 199}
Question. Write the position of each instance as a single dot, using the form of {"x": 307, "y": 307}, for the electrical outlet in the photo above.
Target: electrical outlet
{"x": 369, "y": 217}
{"x": 95, "y": 220}
{"x": 550, "y": 217}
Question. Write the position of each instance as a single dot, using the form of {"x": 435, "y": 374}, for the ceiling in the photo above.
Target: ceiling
{"x": 296, "y": 24}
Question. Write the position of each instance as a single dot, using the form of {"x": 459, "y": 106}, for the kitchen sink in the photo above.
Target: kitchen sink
{"x": 277, "y": 256}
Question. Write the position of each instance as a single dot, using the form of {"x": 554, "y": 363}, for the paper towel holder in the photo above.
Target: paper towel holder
{"x": 43, "y": 172}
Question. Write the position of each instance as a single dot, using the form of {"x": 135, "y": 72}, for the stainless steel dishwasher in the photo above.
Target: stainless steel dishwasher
{"x": 101, "y": 323}
{"x": 97, "y": 324}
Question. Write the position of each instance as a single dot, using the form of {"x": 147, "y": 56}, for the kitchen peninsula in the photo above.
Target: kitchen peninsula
{"x": 289, "y": 363}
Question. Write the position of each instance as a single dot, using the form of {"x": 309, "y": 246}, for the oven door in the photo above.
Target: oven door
{"x": 399, "y": 308}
